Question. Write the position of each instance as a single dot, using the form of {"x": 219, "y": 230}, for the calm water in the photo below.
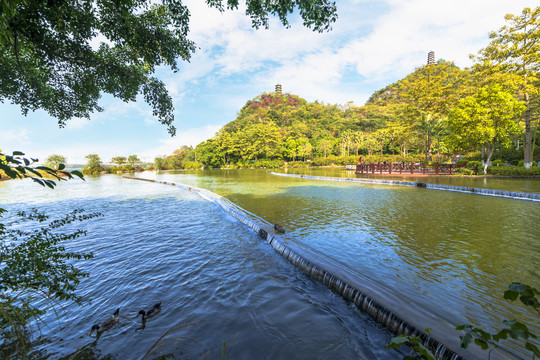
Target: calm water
{"x": 218, "y": 282}
{"x": 452, "y": 253}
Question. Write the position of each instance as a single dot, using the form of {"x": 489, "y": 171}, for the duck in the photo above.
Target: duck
{"x": 107, "y": 324}
{"x": 153, "y": 311}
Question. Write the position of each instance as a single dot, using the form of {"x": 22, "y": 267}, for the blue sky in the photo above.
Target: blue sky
{"x": 373, "y": 44}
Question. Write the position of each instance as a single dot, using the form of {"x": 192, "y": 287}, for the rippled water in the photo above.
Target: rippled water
{"x": 218, "y": 282}
{"x": 452, "y": 253}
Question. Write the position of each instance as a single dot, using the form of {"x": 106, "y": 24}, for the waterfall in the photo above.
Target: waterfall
{"x": 462, "y": 189}
{"x": 384, "y": 306}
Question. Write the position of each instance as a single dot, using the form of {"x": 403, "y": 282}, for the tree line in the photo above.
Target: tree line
{"x": 438, "y": 111}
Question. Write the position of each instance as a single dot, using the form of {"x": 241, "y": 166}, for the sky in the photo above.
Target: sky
{"x": 372, "y": 44}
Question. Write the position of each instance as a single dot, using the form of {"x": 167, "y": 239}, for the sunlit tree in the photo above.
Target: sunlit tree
{"x": 515, "y": 48}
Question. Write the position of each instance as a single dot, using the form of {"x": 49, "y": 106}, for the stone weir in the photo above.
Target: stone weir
{"x": 462, "y": 189}
{"x": 392, "y": 310}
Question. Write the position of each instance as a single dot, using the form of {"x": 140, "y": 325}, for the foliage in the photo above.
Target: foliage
{"x": 513, "y": 329}
{"x": 15, "y": 166}
{"x": 48, "y": 61}
{"x": 54, "y": 161}
{"x": 515, "y": 49}
{"x": 93, "y": 164}
{"x": 159, "y": 163}
{"x": 486, "y": 118}
{"x": 426, "y": 96}
{"x": 193, "y": 165}
{"x": 133, "y": 160}
{"x": 513, "y": 171}
{"x": 35, "y": 265}
{"x": 416, "y": 343}
{"x": 118, "y": 160}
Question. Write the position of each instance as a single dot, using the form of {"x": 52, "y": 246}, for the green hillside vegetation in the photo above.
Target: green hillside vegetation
{"x": 433, "y": 114}
{"x": 486, "y": 113}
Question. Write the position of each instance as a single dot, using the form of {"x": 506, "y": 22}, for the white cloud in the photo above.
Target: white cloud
{"x": 77, "y": 123}
{"x": 15, "y": 136}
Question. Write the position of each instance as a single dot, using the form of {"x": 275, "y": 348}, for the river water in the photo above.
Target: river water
{"x": 451, "y": 253}
{"x": 221, "y": 287}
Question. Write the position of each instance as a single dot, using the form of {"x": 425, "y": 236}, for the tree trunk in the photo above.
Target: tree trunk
{"x": 429, "y": 146}
{"x": 527, "y": 161}
{"x": 490, "y": 150}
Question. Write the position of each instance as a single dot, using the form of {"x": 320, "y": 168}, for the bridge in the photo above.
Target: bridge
{"x": 403, "y": 168}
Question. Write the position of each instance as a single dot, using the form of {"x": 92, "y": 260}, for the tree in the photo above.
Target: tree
{"x": 54, "y": 161}
{"x": 325, "y": 145}
{"x": 118, "y": 160}
{"x": 93, "y": 165}
{"x": 159, "y": 163}
{"x": 48, "y": 62}
{"x": 133, "y": 160}
{"x": 515, "y": 48}
{"x": 486, "y": 118}
{"x": 426, "y": 96}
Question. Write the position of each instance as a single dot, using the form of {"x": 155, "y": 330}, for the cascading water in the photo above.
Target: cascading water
{"x": 463, "y": 189}
{"x": 338, "y": 281}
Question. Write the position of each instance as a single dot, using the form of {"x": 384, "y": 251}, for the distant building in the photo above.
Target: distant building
{"x": 278, "y": 89}
{"x": 431, "y": 58}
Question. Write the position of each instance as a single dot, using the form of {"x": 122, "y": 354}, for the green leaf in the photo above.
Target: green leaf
{"x": 50, "y": 183}
{"x": 501, "y": 335}
{"x": 532, "y": 348}
{"x": 61, "y": 166}
{"x": 511, "y": 295}
{"x": 400, "y": 340}
{"x": 39, "y": 181}
{"x": 465, "y": 340}
{"x": 519, "y": 334}
{"x": 517, "y": 287}
{"x": 482, "y": 343}
{"x": 78, "y": 174}
{"x": 18, "y": 153}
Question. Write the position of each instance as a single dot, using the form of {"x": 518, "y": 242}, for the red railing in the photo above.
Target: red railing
{"x": 406, "y": 168}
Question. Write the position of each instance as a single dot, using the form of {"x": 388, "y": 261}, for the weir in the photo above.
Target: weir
{"x": 462, "y": 189}
{"x": 388, "y": 308}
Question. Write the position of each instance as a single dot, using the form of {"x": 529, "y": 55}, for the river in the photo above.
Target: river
{"x": 451, "y": 253}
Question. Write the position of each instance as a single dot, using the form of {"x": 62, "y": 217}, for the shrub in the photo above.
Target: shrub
{"x": 321, "y": 161}
{"x": 472, "y": 164}
{"x": 464, "y": 171}
{"x": 188, "y": 165}
{"x": 498, "y": 162}
{"x": 297, "y": 164}
{"x": 513, "y": 171}
{"x": 268, "y": 164}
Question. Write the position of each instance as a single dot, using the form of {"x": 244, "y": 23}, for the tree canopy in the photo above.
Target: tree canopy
{"x": 515, "y": 48}
{"x": 48, "y": 61}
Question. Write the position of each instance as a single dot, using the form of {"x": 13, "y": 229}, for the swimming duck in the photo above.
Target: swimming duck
{"x": 109, "y": 323}
{"x": 153, "y": 311}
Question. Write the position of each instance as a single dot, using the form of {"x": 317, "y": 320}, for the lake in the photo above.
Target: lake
{"x": 449, "y": 253}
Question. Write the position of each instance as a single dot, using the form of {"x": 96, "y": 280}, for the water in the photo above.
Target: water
{"x": 218, "y": 282}
{"x": 453, "y": 254}
{"x": 528, "y": 185}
